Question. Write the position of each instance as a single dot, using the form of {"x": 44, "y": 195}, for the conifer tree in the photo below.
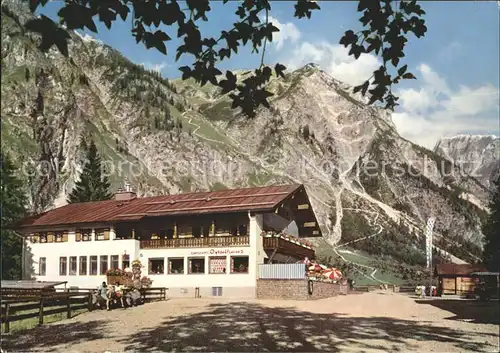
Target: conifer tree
{"x": 13, "y": 208}
{"x": 92, "y": 186}
{"x": 491, "y": 231}
{"x": 305, "y": 132}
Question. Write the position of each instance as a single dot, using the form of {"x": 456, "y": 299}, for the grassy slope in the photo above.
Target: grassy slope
{"x": 356, "y": 257}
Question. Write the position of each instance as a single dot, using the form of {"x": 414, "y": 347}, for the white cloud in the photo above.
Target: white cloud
{"x": 334, "y": 59}
{"x": 288, "y": 32}
{"x": 155, "y": 67}
{"x": 435, "y": 110}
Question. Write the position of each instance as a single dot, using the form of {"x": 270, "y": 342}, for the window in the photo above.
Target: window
{"x": 184, "y": 231}
{"x": 83, "y": 235}
{"x": 156, "y": 266}
{"x": 83, "y": 265}
{"x": 176, "y": 266}
{"x": 242, "y": 230}
{"x": 217, "y": 264}
{"x": 239, "y": 264}
{"x": 196, "y": 231}
{"x": 72, "y": 265}
{"x": 42, "y": 266}
{"x": 125, "y": 261}
{"x": 44, "y": 238}
{"x": 104, "y": 264}
{"x": 60, "y": 237}
{"x": 123, "y": 231}
{"x": 93, "y": 265}
{"x": 63, "y": 266}
{"x": 115, "y": 261}
{"x": 197, "y": 265}
{"x": 102, "y": 234}
{"x": 217, "y": 291}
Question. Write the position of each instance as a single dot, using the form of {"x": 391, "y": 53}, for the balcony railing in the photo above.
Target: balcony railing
{"x": 287, "y": 247}
{"x": 209, "y": 242}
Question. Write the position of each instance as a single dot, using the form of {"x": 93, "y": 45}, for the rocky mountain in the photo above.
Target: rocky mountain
{"x": 476, "y": 155}
{"x": 370, "y": 188}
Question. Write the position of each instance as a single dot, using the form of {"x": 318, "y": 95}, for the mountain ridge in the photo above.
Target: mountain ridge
{"x": 477, "y": 155}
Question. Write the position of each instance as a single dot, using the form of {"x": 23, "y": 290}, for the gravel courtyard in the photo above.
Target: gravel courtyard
{"x": 369, "y": 322}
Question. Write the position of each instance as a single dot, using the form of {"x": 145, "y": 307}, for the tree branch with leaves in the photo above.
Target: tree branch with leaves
{"x": 385, "y": 27}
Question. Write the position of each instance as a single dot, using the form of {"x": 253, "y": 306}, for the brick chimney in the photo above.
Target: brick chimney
{"x": 124, "y": 195}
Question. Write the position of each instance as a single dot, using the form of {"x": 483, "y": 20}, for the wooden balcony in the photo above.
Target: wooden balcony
{"x": 286, "y": 247}
{"x": 209, "y": 242}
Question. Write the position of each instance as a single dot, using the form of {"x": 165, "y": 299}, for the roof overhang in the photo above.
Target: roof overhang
{"x": 485, "y": 273}
{"x": 305, "y": 216}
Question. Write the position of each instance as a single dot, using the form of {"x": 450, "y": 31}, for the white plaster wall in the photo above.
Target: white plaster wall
{"x": 53, "y": 251}
{"x": 200, "y": 280}
{"x": 256, "y": 227}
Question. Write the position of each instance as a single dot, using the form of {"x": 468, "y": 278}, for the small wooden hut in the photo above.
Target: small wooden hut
{"x": 26, "y": 287}
{"x": 457, "y": 279}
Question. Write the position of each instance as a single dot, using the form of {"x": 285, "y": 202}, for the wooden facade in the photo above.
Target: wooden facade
{"x": 286, "y": 247}
{"x": 454, "y": 279}
{"x": 211, "y": 242}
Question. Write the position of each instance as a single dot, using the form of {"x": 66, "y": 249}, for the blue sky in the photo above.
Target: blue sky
{"x": 456, "y": 63}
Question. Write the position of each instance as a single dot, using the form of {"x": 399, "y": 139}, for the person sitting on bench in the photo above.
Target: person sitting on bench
{"x": 100, "y": 298}
{"x": 119, "y": 293}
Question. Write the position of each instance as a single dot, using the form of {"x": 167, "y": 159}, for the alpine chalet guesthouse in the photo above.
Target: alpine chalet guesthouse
{"x": 213, "y": 241}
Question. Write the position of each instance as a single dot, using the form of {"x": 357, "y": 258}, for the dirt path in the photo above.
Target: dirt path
{"x": 376, "y": 321}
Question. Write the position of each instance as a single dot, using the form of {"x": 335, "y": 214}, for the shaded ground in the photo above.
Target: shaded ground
{"x": 468, "y": 310}
{"x": 368, "y": 322}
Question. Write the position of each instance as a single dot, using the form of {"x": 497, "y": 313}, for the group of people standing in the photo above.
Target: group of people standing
{"x": 116, "y": 294}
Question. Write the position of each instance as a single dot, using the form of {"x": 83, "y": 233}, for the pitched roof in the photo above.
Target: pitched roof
{"x": 223, "y": 201}
{"x": 458, "y": 269}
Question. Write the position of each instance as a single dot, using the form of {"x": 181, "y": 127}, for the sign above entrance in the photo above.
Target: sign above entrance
{"x": 218, "y": 252}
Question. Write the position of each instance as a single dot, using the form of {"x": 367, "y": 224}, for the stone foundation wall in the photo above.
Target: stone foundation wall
{"x": 297, "y": 289}
{"x": 326, "y": 290}
{"x": 205, "y": 292}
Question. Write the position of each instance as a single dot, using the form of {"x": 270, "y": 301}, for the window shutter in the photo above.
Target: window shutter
{"x": 106, "y": 234}
{"x": 78, "y": 235}
{"x": 50, "y": 237}
{"x": 65, "y": 236}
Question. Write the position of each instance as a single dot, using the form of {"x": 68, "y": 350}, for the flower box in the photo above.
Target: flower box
{"x": 123, "y": 280}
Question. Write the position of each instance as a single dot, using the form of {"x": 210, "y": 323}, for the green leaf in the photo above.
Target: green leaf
{"x": 402, "y": 70}
{"x": 365, "y": 87}
{"x": 34, "y": 4}
{"x": 348, "y": 38}
{"x": 50, "y": 32}
{"x": 409, "y": 75}
{"x": 279, "y": 68}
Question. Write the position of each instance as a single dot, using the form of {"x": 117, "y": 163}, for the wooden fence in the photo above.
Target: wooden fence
{"x": 391, "y": 287}
{"x": 148, "y": 294}
{"x": 21, "y": 304}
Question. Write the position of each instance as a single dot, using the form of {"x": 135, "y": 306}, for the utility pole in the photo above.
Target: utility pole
{"x": 428, "y": 241}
